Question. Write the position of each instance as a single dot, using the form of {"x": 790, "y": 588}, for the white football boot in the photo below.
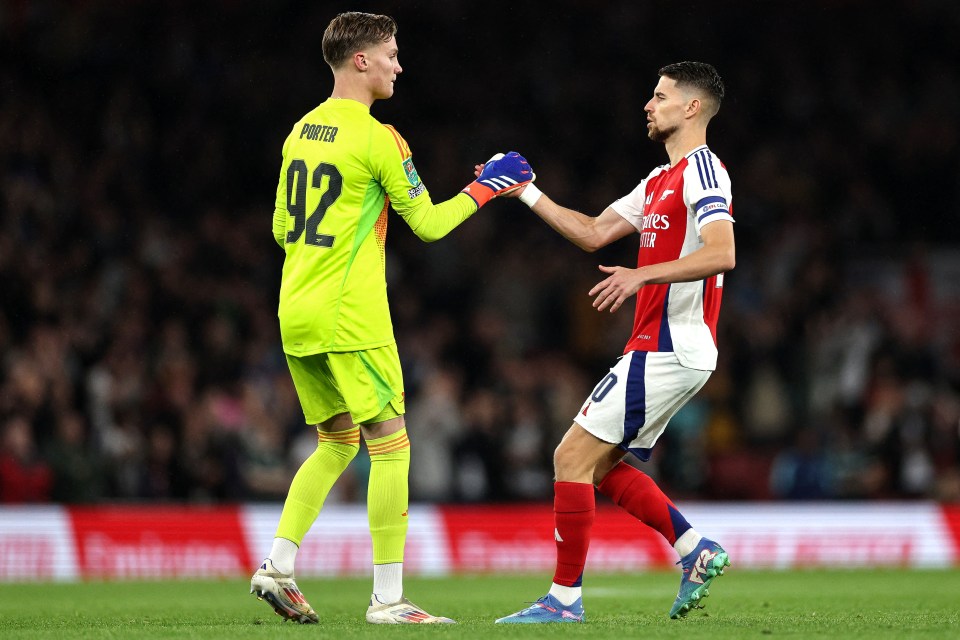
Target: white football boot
{"x": 280, "y": 591}
{"x": 401, "y": 612}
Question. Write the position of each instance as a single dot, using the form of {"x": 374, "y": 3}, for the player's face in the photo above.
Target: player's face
{"x": 383, "y": 67}
{"x": 664, "y": 110}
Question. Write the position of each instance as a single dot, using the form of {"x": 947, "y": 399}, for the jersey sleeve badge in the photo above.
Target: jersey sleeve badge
{"x": 412, "y": 177}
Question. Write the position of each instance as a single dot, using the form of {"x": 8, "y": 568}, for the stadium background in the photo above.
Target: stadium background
{"x": 139, "y": 146}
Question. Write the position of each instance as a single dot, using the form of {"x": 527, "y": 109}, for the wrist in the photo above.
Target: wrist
{"x": 530, "y": 195}
{"x": 481, "y": 193}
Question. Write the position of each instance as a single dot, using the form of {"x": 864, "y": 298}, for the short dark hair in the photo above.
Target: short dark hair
{"x": 351, "y": 31}
{"x": 699, "y": 75}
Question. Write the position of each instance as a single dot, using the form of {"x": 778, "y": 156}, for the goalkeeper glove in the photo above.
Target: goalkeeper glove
{"x": 501, "y": 174}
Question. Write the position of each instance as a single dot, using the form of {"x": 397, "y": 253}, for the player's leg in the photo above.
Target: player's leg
{"x": 661, "y": 386}
{"x": 372, "y": 383}
{"x": 574, "y": 507}
{"x": 338, "y": 440}
{"x": 387, "y": 502}
{"x": 598, "y": 429}
{"x": 636, "y": 493}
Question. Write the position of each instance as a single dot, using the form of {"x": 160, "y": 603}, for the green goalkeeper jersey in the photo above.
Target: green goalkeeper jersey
{"x": 341, "y": 170}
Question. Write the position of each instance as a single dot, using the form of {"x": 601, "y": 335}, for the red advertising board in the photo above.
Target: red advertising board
{"x": 138, "y": 541}
{"x": 520, "y": 539}
{"x": 951, "y": 517}
{"x": 159, "y": 542}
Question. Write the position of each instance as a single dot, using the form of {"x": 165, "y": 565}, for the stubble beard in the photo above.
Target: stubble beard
{"x": 660, "y": 135}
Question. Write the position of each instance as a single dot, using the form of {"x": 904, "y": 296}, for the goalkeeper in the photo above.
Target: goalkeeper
{"x": 341, "y": 170}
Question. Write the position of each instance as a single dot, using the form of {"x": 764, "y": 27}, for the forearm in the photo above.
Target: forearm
{"x": 578, "y": 228}
{"x": 434, "y": 221}
{"x": 702, "y": 263}
{"x": 712, "y": 258}
{"x": 279, "y": 226}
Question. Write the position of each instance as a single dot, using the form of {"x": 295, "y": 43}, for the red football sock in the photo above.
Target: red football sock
{"x": 639, "y": 495}
{"x": 574, "y": 506}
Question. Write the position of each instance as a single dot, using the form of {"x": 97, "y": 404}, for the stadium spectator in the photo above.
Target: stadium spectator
{"x": 78, "y": 473}
{"x": 24, "y": 476}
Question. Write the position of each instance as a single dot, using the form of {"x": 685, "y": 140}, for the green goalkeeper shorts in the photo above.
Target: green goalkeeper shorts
{"x": 366, "y": 384}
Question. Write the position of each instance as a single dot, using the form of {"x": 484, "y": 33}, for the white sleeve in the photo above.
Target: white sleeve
{"x": 706, "y": 189}
{"x": 630, "y": 207}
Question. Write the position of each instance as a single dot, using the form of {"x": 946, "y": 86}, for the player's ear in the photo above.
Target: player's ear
{"x": 694, "y": 106}
{"x": 360, "y": 61}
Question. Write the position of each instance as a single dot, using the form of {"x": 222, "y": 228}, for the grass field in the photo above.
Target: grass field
{"x": 743, "y": 604}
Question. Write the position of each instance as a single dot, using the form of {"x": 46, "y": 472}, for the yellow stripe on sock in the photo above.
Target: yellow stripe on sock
{"x": 347, "y": 436}
{"x": 376, "y": 448}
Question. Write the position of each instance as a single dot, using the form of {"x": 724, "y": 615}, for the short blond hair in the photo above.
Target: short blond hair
{"x": 352, "y": 31}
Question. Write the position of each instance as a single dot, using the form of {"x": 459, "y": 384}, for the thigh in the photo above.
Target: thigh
{"x": 317, "y": 389}
{"x": 382, "y": 428}
{"x": 339, "y": 422}
{"x": 370, "y": 382}
{"x": 579, "y": 454}
{"x": 631, "y": 405}
{"x": 668, "y": 386}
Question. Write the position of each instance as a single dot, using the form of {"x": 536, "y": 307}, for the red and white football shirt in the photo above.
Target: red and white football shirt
{"x": 668, "y": 209}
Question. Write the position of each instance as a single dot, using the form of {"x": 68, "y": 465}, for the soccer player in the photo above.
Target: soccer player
{"x": 682, "y": 211}
{"x": 341, "y": 170}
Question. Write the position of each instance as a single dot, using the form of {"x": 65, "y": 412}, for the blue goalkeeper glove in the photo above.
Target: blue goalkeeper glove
{"x": 501, "y": 174}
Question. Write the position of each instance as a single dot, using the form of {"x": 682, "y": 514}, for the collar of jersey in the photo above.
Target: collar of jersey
{"x": 346, "y": 103}
{"x": 693, "y": 151}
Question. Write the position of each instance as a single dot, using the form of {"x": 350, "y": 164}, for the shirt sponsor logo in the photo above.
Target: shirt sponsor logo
{"x": 656, "y": 221}
{"x": 416, "y": 191}
{"x": 411, "y": 172}
{"x": 666, "y": 194}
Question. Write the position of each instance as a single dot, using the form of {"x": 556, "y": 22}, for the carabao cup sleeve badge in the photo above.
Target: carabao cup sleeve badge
{"x": 411, "y": 172}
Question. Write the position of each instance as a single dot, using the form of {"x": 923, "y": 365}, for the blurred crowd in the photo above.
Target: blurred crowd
{"x": 139, "y": 150}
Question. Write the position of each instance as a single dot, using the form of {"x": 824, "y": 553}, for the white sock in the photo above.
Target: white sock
{"x": 687, "y": 542}
{"x": 284, "y": 555}
{"x": 388, "y": 582}
{"x": 566, "y": 595}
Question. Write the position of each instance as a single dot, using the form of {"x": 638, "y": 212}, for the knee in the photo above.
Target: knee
{"x": 343, "y": 444}
{"x": 606, "y": 465}
{"x": 598, "y": 475}
{"x": 569, "y": 466}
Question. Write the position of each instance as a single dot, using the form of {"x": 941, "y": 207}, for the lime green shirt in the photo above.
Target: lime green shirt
{"x": 341, "y": 170}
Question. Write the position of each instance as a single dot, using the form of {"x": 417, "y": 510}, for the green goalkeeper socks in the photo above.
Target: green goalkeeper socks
{"x": 388, "y": 496}
{"x": 314, "y": 480}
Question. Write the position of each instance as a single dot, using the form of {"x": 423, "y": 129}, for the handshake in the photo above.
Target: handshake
{"x": 500, "y": 175}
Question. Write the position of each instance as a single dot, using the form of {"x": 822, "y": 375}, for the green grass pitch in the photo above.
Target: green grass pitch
{"x": 743, "y": 604}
